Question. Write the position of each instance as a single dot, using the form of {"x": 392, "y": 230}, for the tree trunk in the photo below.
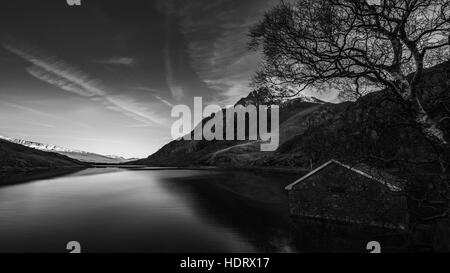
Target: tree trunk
{"x": 430, "y": 128}
{"x": 436, "y": 223}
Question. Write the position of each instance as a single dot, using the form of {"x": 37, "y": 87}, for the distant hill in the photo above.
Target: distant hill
{"x": 312, "y": 132}
{"x": 16, "y": 158}
{"x": 74, "y": 154}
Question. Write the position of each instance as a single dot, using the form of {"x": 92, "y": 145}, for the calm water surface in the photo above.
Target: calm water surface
{"x": 147, "y": 210}
{"x": 117, "y": 210}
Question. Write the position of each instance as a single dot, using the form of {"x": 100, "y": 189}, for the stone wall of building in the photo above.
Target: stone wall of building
{"x": 336, "y": 193}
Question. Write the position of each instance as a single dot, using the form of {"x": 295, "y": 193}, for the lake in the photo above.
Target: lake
{"x": 158, "y": 210}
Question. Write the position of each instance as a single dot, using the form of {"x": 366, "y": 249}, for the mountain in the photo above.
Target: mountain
{"x": 15, "y": 157}
{"x": 184, "y": 153}
{"x": 312, "y": 132}
{"x": 263, "y": 96}
{"x": 74, "y": 154}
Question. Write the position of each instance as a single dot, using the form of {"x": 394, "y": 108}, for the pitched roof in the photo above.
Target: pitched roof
{"x": 364, "y": 170}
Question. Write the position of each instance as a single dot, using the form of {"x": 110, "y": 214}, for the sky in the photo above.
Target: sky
{"x": 103, "y": 77}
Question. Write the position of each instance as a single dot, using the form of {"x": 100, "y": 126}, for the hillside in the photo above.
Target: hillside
{"x": 312, "y": 132}
{"x": 184, "y": 153}
{"x": 74, "y": 154}
{"x": 18, "y": 158}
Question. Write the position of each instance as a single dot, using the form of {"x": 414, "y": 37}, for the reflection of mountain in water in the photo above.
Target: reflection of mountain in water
{"x": 254, "y": 205}
{"x": 10, "y": 178}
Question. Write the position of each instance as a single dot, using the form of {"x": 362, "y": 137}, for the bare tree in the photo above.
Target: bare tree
{"x": 360, "y": 45}
{"x": 369, "y": 43}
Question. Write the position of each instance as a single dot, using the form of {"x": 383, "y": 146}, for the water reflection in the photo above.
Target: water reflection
{"x": 116, "y": 210}
{"x": 8, "y": 178}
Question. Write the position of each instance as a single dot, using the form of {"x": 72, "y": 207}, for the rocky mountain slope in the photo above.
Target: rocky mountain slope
{"x": 18, "y": 158}
{"x": 74, "y": 154}
{"x": 313, "y": 132}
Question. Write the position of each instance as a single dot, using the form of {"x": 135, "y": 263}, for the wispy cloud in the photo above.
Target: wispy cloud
{"x": 122, "y": 61}
{"x": 33, "y": 111}
{"x": 154, "y": 93}
{"x": 24, "y": 108}
{"x": 175, "y": 89}
{"x": 163, "y": 101}
{"x": 62, "y": 82}
{"x": 217, "y": 44}
{"x": 132, "y": 108}
{"x": 60, "y": 74}
{"x": 40, "y": 124}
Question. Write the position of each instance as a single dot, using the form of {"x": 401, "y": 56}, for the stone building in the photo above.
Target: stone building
{"x": 350, "y": 194}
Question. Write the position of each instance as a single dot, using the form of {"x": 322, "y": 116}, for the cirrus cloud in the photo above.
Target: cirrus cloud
{"x": 68, "y": 78}
{"x": 121, "y": 61}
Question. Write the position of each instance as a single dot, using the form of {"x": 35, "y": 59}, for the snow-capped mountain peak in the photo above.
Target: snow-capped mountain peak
{"x": 41, "y": 146}
{"x": 75, "y": 154}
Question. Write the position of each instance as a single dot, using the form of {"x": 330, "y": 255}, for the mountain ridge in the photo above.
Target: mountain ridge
{"x": 72, "y": 153}
{"x": 312, "y": 133}
{"x": 16, "y": 157}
